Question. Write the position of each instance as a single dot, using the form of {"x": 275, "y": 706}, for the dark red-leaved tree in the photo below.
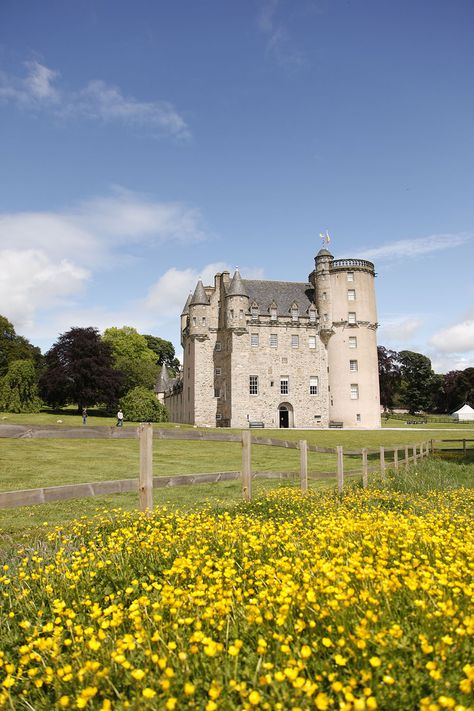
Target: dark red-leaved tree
{"x": 79, "y": 370}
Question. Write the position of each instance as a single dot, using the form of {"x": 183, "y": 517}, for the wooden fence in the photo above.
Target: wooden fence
{"x": 146, "y": 482}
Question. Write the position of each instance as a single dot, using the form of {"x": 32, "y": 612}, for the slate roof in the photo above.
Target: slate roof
{"x": 199, "y": 296}
{"x": 283, "y": 293}
{"x": 236, "y": 287}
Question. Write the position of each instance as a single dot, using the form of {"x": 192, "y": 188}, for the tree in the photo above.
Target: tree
{"x": 79, "y": 369}
{"x": 458, "y": 389}
{"x": 417, "y": 381}
{"x": 141, "y": 405}
{"x": 19, "y": 388}
{"x": 164, "y": 351}
{"x": 389, "y": 376}
{"x": 132, "y": 357}
{"x": 13, "y": 347}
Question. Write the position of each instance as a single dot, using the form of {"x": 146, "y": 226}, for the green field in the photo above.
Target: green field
{"x": 33, "y": 463}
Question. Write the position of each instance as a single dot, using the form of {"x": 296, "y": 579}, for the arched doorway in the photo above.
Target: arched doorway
{"x": 285, "y": 415}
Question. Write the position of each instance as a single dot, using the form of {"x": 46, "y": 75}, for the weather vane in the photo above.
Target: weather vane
{"x": 325, "y": 238}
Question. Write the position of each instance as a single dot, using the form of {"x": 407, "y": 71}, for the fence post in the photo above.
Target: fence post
{"x": 414, "y": 454}
{"x": 340, "y": 469}
{"x": 365, "y": 478}
{"x": 464, "y": 448}
{"x": 304, "y": 465}
{"x": 246, "y": 465}
{"x": 407, "y": 458}
{"x": 382, "y": 462}
{"x": 432, "y": 447}
{"x": 145, "y": 479}
{"x": 395, "y": 458}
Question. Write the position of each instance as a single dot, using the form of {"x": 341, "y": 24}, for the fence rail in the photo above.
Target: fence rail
{"x": 145, "y": 482}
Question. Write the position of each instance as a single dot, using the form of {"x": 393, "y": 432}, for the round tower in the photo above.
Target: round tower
{"x": 236, "y": 302}
{"x": 321, "y": 280}
{"x": 354, "y": 397}
{"x": 199, "y": 312}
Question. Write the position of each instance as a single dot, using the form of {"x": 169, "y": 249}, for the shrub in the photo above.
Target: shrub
{"x": 141, "y": 405}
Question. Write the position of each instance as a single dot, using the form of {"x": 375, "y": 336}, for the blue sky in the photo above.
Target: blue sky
{"x": 144, "y": 145}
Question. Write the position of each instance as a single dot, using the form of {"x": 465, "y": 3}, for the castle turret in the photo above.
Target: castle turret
{"x": 237, "y": 302}
{"x": 321, "y": 280}
{"x": 199, "y": 312}
{"x": 185, "y": 316}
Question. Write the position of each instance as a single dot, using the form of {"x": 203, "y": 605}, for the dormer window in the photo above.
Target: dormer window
{"x": 295, "y": 312}
{"x": 273, "y": 311}
{"x": 254, "y": 312}
{"x": 312, "y": 315}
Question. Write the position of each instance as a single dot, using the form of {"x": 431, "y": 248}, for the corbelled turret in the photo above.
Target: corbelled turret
{"x": 237, "y": 302}
{"x": 199, "y": 307}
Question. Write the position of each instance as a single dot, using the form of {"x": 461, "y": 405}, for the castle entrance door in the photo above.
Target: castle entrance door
{"x": 285, "y": 415}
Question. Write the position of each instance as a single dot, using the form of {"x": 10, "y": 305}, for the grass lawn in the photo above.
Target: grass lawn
{"x": 33, "y": 463}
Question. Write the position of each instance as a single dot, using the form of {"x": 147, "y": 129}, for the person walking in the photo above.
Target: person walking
{"x": 84, "y": 416}
{"x": 119, "y": 418}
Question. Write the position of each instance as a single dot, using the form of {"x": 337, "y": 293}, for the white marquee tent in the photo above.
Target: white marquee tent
{"x": 464, "y": 414}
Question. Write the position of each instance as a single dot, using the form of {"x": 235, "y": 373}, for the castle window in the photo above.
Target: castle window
{"x": 352, "y": 341}
{"x": 253, "y": 384}
{"x": 358, "y": 418}
{"x": 325, "y": 317}
{"x": 313, "y": 384}
{"x": 294, "y": 313}
{"x": 218, "y": 346}
{"x": 218, "y": 371}
{"x": 218, "y": 416}
{"x": 353, "y": 365}
{"x": 350, "y": 276}
{"x": 284, "y": 389}
{"x": 273, "y": 313}
{"x": 232, "y": 313}
{"x": 324, "y": 296}
{"x": 194, "y": 320}
{"x": 312, "y": 341}
{"x": 295, "y": 341}
{"x": 354, "y": 391}
{"x": 254, "y": 339}
{"x": 273, "y": 340}
{"x": 241, "y": 314}
{"x": 351, "y": 295}
{"x": 217, "y": 392}
{"x": 254, "y": 313}
{"x": 203, "y": 320}
{"x": 312, "y": 315}
{"x": 351, "y": 317}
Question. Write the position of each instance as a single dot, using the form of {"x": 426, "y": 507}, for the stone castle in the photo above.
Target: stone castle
{"x": 278, "y": 353}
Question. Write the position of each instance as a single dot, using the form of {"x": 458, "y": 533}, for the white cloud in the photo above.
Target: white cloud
{"x": 399, "y": 329}
{"x": 407, "y": 248}
{"x": 29, "y": 280}
{"x": 458, "y": 338}
{"x": 96, "y": 101}
{"x": 279, "y": 44}
{"x": 46, "y": 256}
{"x": 443, "y": 363}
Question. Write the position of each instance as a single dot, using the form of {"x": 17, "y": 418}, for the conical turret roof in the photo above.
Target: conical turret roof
{"x": 164, "y": 380}
{"x": 199, "y": 296}
{"x": 186, "y": 305}
{"x": 324, "y": 253}
{"x": 236, "y": 287}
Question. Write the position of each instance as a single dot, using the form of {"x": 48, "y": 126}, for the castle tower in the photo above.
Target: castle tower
{"x": 346, "y": 292}
{"x": 236, "y": 303}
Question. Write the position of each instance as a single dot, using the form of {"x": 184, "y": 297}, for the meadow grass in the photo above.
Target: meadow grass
{"x": 354, "y": 602}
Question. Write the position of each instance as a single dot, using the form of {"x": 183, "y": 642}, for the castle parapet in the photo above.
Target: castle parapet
{"x": 361, "y": 264}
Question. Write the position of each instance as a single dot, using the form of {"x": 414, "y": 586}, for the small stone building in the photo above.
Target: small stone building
{"x": 279, "y": 353}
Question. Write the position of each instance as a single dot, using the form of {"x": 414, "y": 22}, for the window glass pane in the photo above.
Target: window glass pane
{"x": 351, "y": 295}
{"x": 312, "y": 341}
{"x": 350, "y": 276}
{"x": 354, "y": 391}
{"x": 313, "y": 385}
{"x": 352, "y": 341}
{"x": 352, "y": 317}
{"x": 353, "y": 365}
{"x": 253, "y": 384}
{"x": 295, "y": 341}
{"x": 254, "y": 339}
{"x": 273, "y": 340}
{"x": 284, "y": 385}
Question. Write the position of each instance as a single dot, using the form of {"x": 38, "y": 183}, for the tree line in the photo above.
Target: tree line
{"x": 84, "y": 368}
{"x": 408, "y": 381}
